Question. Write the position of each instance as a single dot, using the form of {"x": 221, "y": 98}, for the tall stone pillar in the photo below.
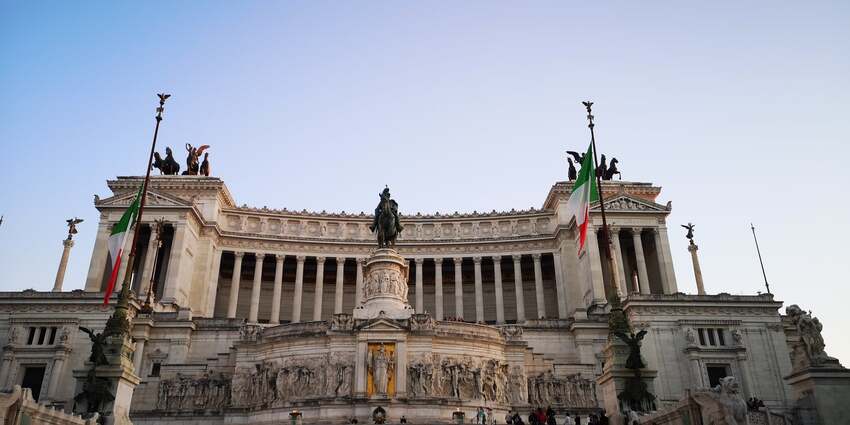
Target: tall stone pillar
{"x": 643, "y": 276}
{"x": 479, "y": 291}
{"x": 420, "y": 306}
{"x": 619, "y": 261}
{"x": 56, "y": 372}
{"x": 147, "y": 268}
{"x": 320, "y": 288}
{"x": 538, "y": 286}
{"x": 520, "y": 297}
{"x": 299, "y": 289}
{"x": 278, "y": 289}
{"x": 666, "y": 260}
{"x": 235, "y": 281}
{"x": 172, "y": 279}
{"x": 340, "y": 274}
{"x": 212, "y": 288}
{"x": 99, "y": 257}
{"x": 438, "y": 288}
{"x": 138, "y": 356}
{"x": 458, "y": 287}
{"x": 255, "y": 289}
{"x": 67, "y": 244}
{"x": 692, "y": 248}
{"x": 497, "y": 280}
{"x": 560, "y": 286}
{"x": 358, "y": 283}
{"x": 594, "y": 263}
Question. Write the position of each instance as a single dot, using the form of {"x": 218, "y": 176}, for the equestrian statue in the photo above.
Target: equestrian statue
{"x": 386, "y": 223}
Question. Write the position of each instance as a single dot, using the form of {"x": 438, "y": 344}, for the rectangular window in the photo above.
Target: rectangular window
{"x": 710, "y": 333}
{"x": 41, "y": 334}
{"x": 720, "y": 338}
{"x": 701, "y": 332}
{"x": 155, "y": 369}
{"x": 715, "y": 372}
{"x": 52, "y": 339}
{"x": 31, "y": 337}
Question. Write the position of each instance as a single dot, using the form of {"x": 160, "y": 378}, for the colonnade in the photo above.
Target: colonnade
{"x": 416, "y": 283}
{"x": 638, "y": 280}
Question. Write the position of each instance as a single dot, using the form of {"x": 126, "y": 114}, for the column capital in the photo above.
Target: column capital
{"x": 476, "y": 259}
{"x": 260, "y": 256}
{"x": 340, "y": 260}
{"x": 238, "y": 254}
{"x": 68, "y": 242}
{"x": 320, "y": 260}
{"x": 517, "y": 257}
{"x": 438, "y": 261}
{"x": 496, "y": 258}
{"x": 458, "y": 260}
{"x": 300, "y": 258}
{"x": 280, "y": 257}
{"x": 419, "y": 261}
{"x": 636, "y": 231}
{"x": 536, "y": 257}
{"x": 360, "y": 260}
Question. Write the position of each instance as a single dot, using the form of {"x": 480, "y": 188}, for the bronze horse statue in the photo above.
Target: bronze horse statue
{"x": 167, "y": 166}
{"x": 386, "y": 222}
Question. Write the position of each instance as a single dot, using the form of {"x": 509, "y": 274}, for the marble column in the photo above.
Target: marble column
{"x": 619, "y": 261}
{"x": 212, "y": 282}
{"x": 420, "y": 302}
{"x": 692, "y": 248}
{"x": 520, "y": 296}
{"x": 320, "y": 288}
{"x": 99, "y": 257}
{"x": 594, "y": 263}
{"x": 665, "y": 260}
{"x": 538, "y": 287}
{"x": 643, "y": 276}
{"x": 479, "y": 291}
{"x": 172, "y": 276}
{"x": 299, "y": 289}
{"x": 438, "y": 288}
{"x": 147, "y": 268}
{"x": 234, "y": 284}
{"x": 255, "y": 290}
{"x": 497, "y": 278}
{"x": 67, "y": 244}
{"x": 340, "y": 273}
{"x": 560, "y": 288}
{"x": 458, "y": 287}
{"x": 358, "y": 283}
{"x": 56, "y": 373}
{"x": 278, "y": 289}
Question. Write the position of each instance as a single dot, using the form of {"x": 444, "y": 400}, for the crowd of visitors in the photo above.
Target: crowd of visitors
{"x": 549, "y": 417}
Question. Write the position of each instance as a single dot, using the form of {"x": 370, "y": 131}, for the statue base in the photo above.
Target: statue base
{"x": 617, "y": 380}
{"x": 118, "y": 379}
{"x": 384, "y": 287}
{"x": 821, "y": 394}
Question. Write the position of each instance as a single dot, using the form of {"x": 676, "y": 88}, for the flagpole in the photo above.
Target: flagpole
{"x": 766, "y": 285}
{"x": 119, "y": 322}
{"x": 617, "y": 320}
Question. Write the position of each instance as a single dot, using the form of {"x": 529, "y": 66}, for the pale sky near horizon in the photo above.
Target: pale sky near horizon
{"x": 737, "y": 109}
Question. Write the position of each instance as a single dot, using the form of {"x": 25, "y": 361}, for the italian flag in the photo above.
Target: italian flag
{"x": 117, "y": 240}
{"x": 584, "y": 192}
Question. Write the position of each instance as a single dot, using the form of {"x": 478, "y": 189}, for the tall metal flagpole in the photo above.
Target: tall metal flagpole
{"x": 119, "y": 322}
{"x": 766, "y": 285}
{"x": 617, "y": 320}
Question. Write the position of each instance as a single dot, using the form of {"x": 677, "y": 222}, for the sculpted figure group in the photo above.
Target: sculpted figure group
{"x": 465, "y": 378}
{"x": 384, "y": 282}
{"x": 546, "y": 389}
{"x": 209, "y": 391}
{"x": 605, "y": 171}
{"x": 168, "y": 166}
{"x": 809, "y": 328}
{"x": 275, "y": 384}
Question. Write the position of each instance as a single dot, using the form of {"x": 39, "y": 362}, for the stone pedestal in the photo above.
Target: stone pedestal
{"x": 384, "y": 287}
{"x": 615, "y": 379}
{"x": 120, "y": 377}
{"x": 821, "y": 394}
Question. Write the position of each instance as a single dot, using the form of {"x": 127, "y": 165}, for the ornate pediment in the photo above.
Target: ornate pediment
{"x": 626, "y": 203}
{"x": 152, "y": 199}
{"x": 382, "y": 324}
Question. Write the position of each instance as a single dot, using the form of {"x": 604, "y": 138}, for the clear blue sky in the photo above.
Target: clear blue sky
{"x": 739, "y": 110}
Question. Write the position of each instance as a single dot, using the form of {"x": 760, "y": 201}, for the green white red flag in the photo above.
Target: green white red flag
{"x": 584, "y": 193}
{"x": 117, "y": 240}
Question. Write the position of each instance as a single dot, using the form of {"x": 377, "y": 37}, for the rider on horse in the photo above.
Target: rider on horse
{"x": 386, "y": 222}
